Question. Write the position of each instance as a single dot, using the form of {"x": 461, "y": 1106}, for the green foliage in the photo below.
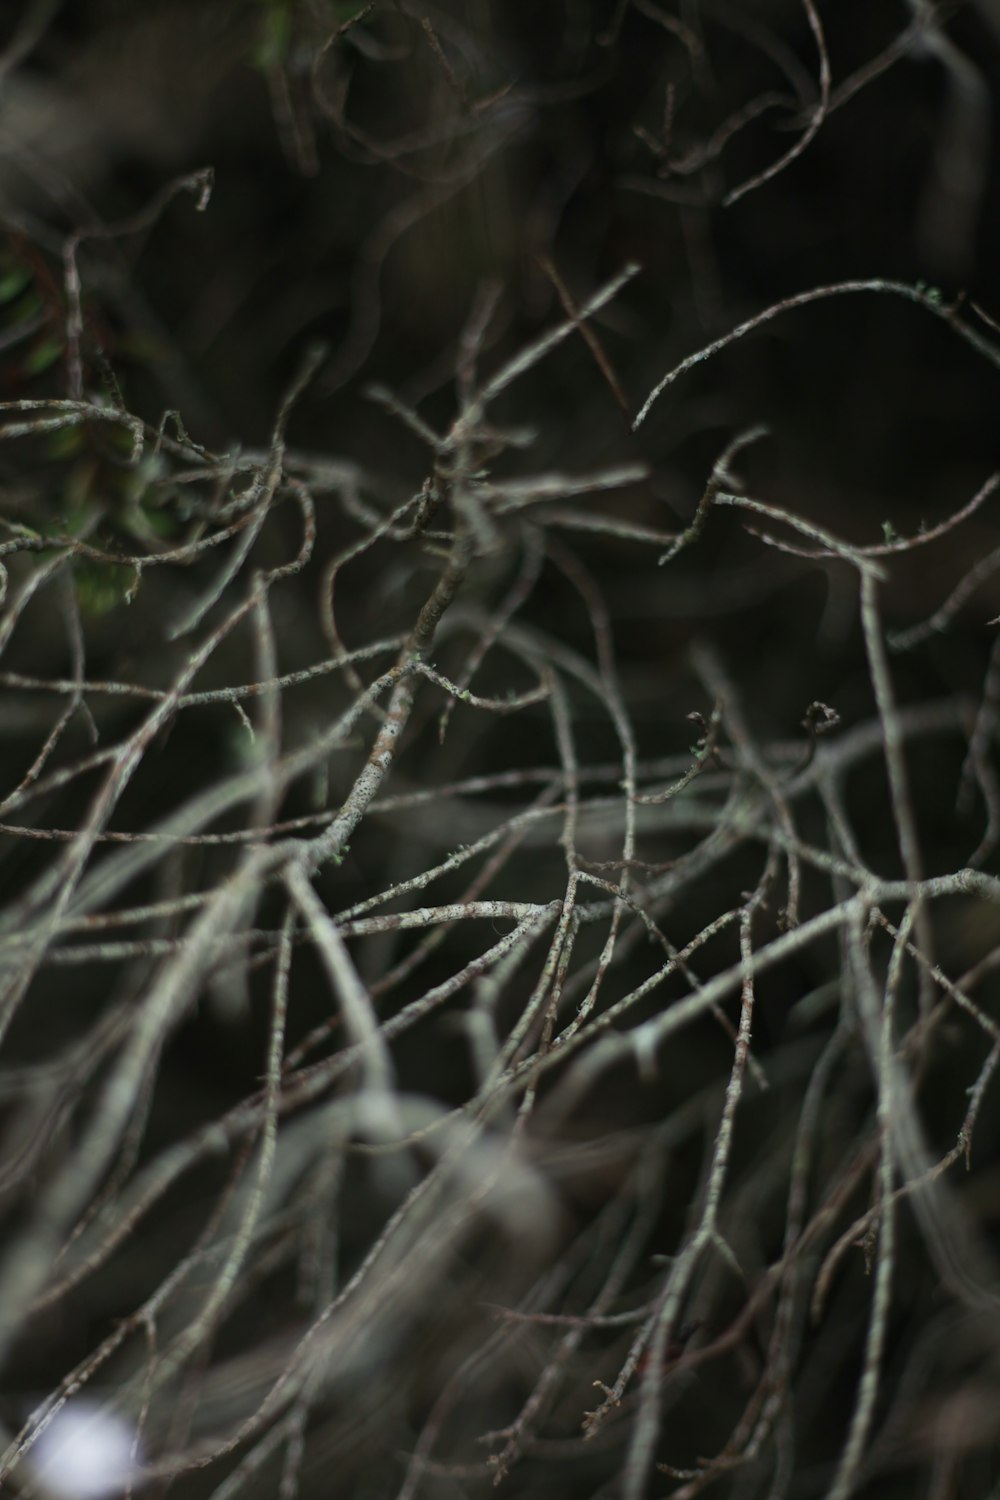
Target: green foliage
{"x": 13, "y": 282}
{"x": 275, "y": 29}
{"x": 42, "y": 355}
{"x": 101, "y": 587}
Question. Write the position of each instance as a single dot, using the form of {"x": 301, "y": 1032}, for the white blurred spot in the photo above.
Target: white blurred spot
{"x": 85, "y": 1453}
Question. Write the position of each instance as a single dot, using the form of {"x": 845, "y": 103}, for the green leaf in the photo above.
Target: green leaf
{"x": 66, "y": 442}
{"x": 42, "y": 356}
{"x": 13, "y": 283}
{"x": 101, "y": 587}
{"x": 274, "y": 40}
